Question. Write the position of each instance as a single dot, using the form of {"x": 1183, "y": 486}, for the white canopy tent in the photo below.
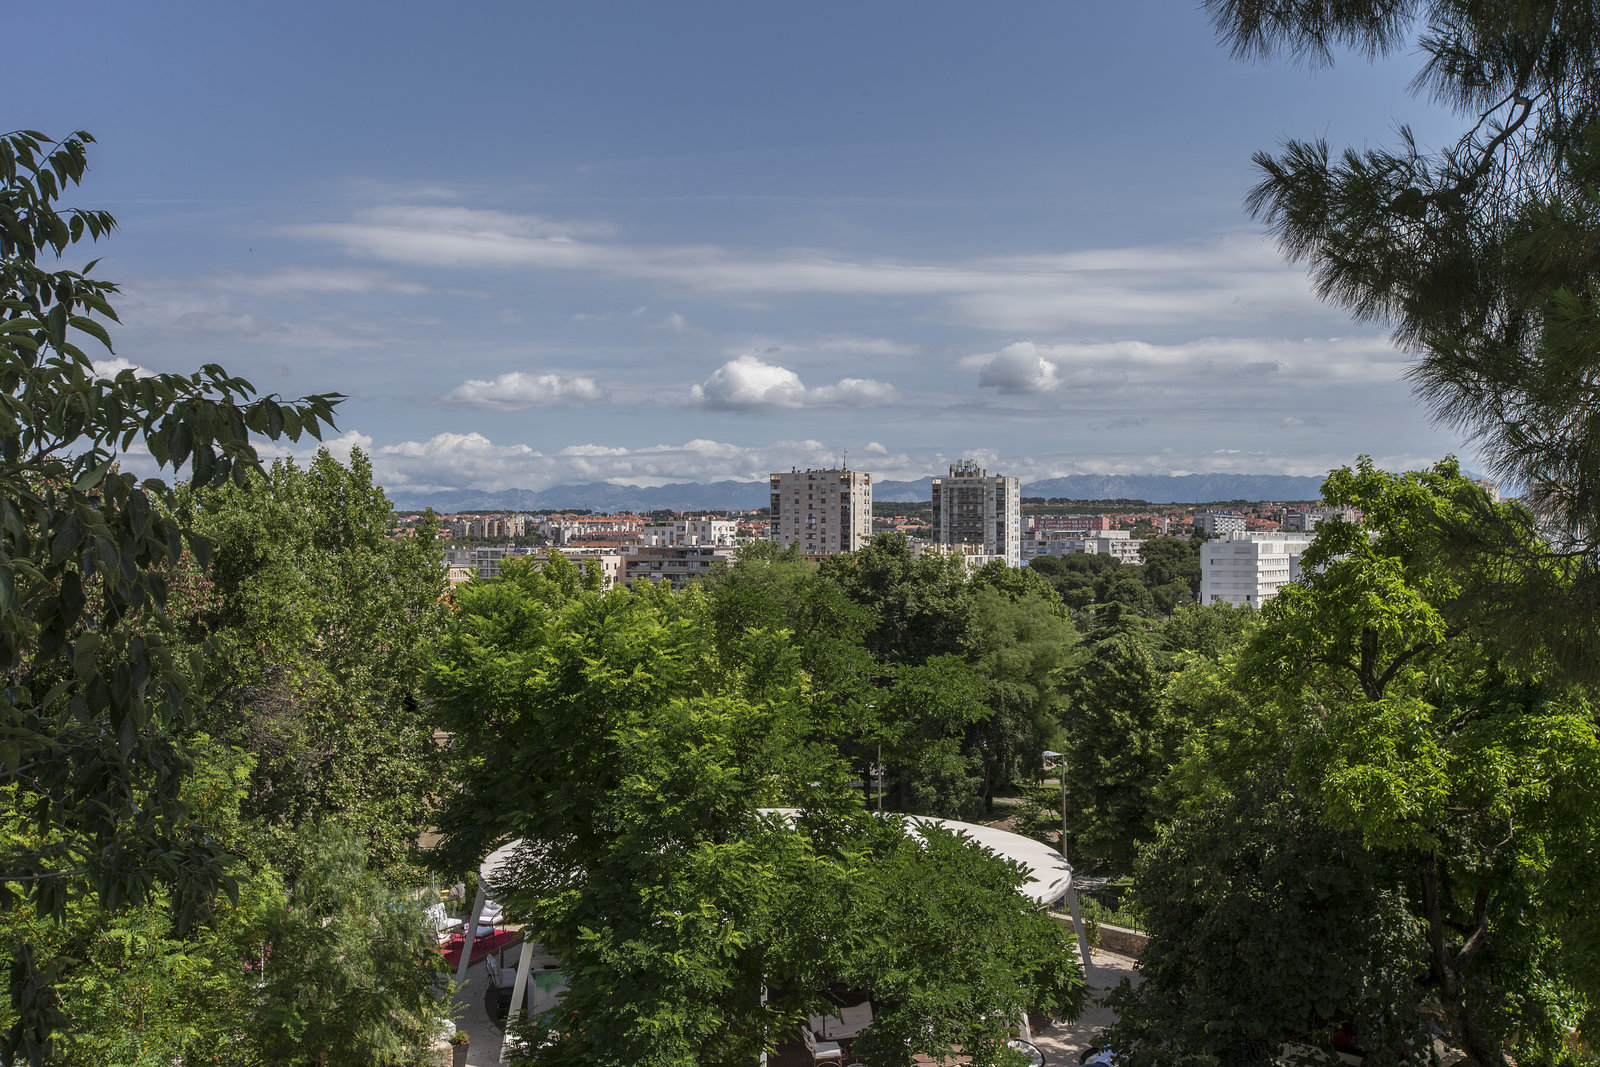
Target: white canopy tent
{"x": 1049, "y": 879}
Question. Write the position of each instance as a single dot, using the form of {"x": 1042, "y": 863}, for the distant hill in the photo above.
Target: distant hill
{"x": 593, "y": 496}
{"x": 695, "y": 496}
{"x": 1178, "y": 489}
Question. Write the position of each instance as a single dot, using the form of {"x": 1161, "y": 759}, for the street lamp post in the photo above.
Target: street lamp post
{"x": 1060, "y": 760}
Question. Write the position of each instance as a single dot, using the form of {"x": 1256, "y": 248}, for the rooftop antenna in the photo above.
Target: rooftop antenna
{"x": 846, "y": 464}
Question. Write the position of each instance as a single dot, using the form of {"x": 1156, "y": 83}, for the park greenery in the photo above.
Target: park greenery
{"x": 1366, "y": 816}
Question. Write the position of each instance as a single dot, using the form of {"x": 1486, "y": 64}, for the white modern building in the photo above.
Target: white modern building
{"x": 971, "y": 507}
{"x": 689, "y": 533}
{"x": 1248, "y": 569}
{"x": 1218, "y": 523}
{"x": 825, "y": 512}
{"x": 1116, "y": 543}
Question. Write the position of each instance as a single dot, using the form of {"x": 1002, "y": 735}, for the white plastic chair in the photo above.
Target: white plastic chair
{"x": 821, "y": 1050}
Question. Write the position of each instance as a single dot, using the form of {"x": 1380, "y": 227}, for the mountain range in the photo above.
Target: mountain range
{"x": 716, "y": 496}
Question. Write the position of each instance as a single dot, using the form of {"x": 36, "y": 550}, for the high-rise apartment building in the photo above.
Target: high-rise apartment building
{"x": 1218, "y": 523}
{"x": 825, "y": 512}
{"x": 972, "y": 508}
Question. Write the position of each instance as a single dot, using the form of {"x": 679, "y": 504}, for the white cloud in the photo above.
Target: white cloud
{"x": 451, "y": 460}
{"x": 316, "y": 280}
{"x": 1019, "y": 368}
{"x": 748, "y": 384}
{"x": 862, "y": 346}
{"x": 675, "y": 322}
{"x": 110, "y": 368}
{"x": 1229, "y": 364}
{"x": 853, "y": 393}
{"x": 1235, "y": 278}
{"x": 473, "y": 461}
{"x": 305, "y": 450}
{"x": 516, "y": 391}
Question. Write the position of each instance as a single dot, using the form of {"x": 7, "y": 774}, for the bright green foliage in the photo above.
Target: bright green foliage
{"x": 952, "y": 954}
{"x": 1171, "y": 571}
{"x": 1115, "y": 750}
{"x": 1207, "y": 630}
{"x": 610, "y": 733}
{"x": 337, "y": 970}
{"x": 1406, "y": 735}
{"x": 918, "y": 603}
{"x": 952, "y": 680}
{"x": 1480, "y": 255}
{"x": 352, "y": 971}
{"x": 1074, "y": 576}
{"x": 1019, "y": 645}
{"x": 132, "y": 990}
{"x": 92, "y": 693}
{"x": 922, "y": 719}
{"x": 771, "y": 588}
{"x": 312, "y": 621}
{"x": 1267, "y": 928}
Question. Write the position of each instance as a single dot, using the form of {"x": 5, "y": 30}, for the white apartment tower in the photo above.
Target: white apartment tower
{"x": 1249, "y": 568}
{"x": 972, "y": 508}
{"x": 825, "y": 512}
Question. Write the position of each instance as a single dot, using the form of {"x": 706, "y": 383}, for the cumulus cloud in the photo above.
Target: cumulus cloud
{"x": 474, "y": 461}
{"x": 516, "y": 391}
{"x": 748, "y": 384}
{"x": 1019, "y": 368}
{"x": 110, "y": 368}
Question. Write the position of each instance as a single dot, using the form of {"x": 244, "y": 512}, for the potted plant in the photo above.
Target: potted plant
{"x": 458, "y": 1049}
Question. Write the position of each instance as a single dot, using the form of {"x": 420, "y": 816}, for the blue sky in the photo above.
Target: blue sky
{"x": 647, "y": 242}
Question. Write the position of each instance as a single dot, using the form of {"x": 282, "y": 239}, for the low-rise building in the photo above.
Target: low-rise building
{"x": 484, "y": 561}
{"x": 1116, "y": 543}
{"x": 687, "y": 532}
{"x": 674, "y": 564}
{"x": 1043, "y": 527}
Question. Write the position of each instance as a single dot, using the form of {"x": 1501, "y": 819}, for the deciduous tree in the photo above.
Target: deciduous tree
{"x": 92, "y": 696}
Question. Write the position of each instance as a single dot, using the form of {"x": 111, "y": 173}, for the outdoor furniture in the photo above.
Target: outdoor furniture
{"x": 821, "y": 1050}
{"x": 844, "y": 1023}
{"x": 852, "y": 1020}
{"x": 497, "y": 994}
{"x": 490, "y": 919}
{"x": 446, "y": 927}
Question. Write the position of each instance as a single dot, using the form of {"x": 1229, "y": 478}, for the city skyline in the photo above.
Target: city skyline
{"x": 646, "y": 245}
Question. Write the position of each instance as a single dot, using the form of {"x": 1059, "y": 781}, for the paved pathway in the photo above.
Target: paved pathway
{"x": 1062, "y": 1043}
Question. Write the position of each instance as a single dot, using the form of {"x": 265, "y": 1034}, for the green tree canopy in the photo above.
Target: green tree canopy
{"x": 1480, "y": 255}
{"x": 1434, "y": 765}
{"x": 92, "y": 696}
{"x": 312, "y": 620}
{"x": 637, "y": 763}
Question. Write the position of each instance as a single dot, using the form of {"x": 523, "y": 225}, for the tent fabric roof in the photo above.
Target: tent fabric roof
{"x": 1049, "y": 875}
